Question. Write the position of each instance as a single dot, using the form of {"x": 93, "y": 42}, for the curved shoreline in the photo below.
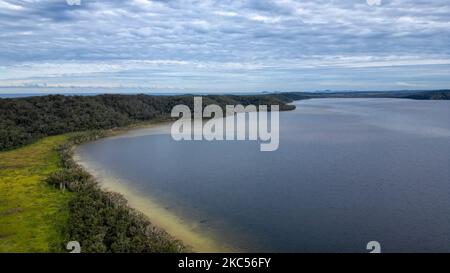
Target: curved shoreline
{"x": 182, "y": 229}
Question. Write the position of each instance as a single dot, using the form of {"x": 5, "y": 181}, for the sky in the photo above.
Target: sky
{"x": 224, "y": 46}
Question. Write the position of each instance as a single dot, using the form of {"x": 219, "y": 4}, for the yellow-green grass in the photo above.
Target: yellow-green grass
{"x": 32, "y": 214}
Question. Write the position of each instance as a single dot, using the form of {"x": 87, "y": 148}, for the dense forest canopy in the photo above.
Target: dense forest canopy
{"x": 24, "y": 120}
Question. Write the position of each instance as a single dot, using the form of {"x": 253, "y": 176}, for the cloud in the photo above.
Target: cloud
{"x": 374, "y": 2}
{"x": 73, "y": 2}
{"x": 260, "y": 41}
{"x": 9, "y": 6}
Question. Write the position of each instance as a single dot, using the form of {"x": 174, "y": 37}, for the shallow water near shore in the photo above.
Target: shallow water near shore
{"x": 161, "y": 217}
{"x": 348, "y": 171}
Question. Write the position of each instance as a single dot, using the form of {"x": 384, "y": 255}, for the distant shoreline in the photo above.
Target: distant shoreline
{"x": 320, "y": 93}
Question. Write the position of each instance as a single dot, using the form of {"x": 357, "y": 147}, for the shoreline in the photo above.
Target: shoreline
{"x": 181, "y": 229}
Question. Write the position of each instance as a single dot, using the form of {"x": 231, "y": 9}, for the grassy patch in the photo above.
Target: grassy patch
{"x": 32, "y": 213}
{"x": 36, "y": 216}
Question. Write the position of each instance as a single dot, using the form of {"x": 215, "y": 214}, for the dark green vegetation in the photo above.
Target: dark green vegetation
{"x": 25, "y": 120}
{"x": 102, "y": 221}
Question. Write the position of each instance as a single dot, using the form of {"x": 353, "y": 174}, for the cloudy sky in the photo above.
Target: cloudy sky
{"x": 225, "y": 46}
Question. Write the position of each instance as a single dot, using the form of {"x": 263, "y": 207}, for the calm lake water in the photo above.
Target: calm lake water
{"x": 348, "y": 171}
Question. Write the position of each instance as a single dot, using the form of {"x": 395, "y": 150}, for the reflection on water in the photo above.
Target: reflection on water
{"x": 348, "y": 171}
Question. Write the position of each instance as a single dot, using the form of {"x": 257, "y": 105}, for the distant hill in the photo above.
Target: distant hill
{"x": 417, "y": 95}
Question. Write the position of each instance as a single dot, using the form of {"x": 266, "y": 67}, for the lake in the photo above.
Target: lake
{"x": 348, "y": 171}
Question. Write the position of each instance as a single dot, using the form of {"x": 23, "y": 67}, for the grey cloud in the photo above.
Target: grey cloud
{"x": 252, "y": 31}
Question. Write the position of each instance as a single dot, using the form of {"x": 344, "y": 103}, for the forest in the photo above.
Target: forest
{"x": 25, "y": 120}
